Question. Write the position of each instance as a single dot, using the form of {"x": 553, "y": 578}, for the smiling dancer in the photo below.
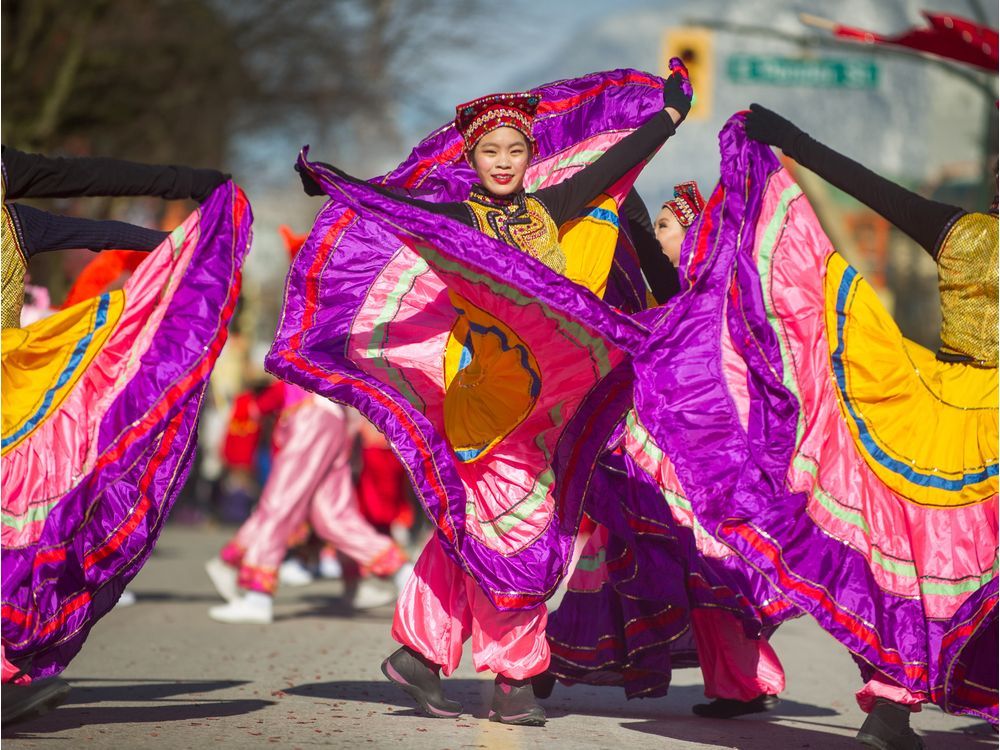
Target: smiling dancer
{"x": 506, "y": 402}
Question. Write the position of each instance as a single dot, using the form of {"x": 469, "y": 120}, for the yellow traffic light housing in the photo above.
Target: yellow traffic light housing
{"x": 694, "y": 46}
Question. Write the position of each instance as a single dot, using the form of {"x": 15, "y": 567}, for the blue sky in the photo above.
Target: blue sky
{"x": 907, "y": 129}
{"x": 545, "y": 26}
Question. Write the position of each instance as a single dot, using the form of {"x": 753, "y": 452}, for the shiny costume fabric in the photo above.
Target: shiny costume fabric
{"x": 100, "y": 407}
{"x": 13, "y": 268}
{"x": 847, "y": 467}
{"x": 441, "y": 607}
{"x": 652, "y": 593}
{"x": 967, "y": 280}
{"x": 404, "y": 314}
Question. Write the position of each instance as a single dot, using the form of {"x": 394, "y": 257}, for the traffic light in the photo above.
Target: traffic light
{"x": 693, "y": 45}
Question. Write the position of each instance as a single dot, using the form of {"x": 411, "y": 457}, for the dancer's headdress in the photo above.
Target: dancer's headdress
{"x": 477, "y": 118}
{"x": 686, "y": 204}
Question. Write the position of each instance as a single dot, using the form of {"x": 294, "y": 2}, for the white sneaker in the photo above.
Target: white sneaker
{"x": 400, "y": 535}
{"x": 253, "y": 608}
{"x": 293, "y": 573}
{"x": 369, "y": 595}
{"x": 224, "y": 578}
{"x": 402, "y": 576}
{"x": 127, "y": 599}
{"x": 330, "y": 568}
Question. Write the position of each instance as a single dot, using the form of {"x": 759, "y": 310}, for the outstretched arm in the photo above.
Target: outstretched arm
{"x": 38, "y": 176}
{"x": 453, "y": 209}
{"x": 566, "y": 200}
{"x": 40, "y": 231}
{"x": 924, "y": 220}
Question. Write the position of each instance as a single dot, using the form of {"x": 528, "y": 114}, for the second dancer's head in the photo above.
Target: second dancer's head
{"x": 498, "y": 142}
{"x": 676, "y": 217}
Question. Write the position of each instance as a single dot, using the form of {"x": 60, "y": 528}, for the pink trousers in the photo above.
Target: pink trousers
{"x": 441, "y": 607}
{"x": 310, "y": 480}
{"x": 9, "y": 670}
{"x": 880, "y": 687}
{"x": 732, "y": 665}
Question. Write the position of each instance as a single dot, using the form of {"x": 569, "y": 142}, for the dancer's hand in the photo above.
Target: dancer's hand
{"x": 768, "y": 127}
{"x": 205, "y": 181}
{"x": 309, "y": 185}
{"x": 677, "y": 91}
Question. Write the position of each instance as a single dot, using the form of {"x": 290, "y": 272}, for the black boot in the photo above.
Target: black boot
{"x": 22, "y": 702}
{"x": 514, "y": 703}
{"x": 542, "y": 684}
{"x": 420, "y": 679}
{"x": 727, "y": 708}
{"x": 888, "y": 728}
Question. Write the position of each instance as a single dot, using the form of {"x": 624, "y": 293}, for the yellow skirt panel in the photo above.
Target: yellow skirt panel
{"x": 42, "y": 362}
{"x": 927, "y": 428}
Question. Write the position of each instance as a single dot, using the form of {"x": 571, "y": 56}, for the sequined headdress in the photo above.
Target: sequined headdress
{"x": 477, "y": 118}
{"x": 687, "y": 203}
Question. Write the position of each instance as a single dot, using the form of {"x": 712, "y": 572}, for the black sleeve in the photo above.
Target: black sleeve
{"x": 924, "y": 220}
{"x": 566, "y": 200}
{"x": 656, "y": 267}
{"x": 38, "y": 176}
{"x": 454, "y": 209}
{"x": 42, "y": 231}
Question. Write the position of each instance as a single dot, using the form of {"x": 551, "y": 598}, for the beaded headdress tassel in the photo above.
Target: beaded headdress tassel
{"x": 477, "y": 118}
{"x": 686, "y": 204}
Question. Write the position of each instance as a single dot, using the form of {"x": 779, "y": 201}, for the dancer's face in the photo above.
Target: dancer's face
{"x": 500, "y": 159}
{"x": 670, "y": 235}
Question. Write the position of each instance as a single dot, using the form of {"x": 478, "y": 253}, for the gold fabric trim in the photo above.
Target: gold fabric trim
{"x": 14, "y": 267}
{"x": 967, "y": 280}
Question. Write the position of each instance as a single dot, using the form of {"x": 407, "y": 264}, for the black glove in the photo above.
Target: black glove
{"x": 205, "y": 181}
{"x": 309, "y": 185}
{"x": 768, "y": 127}
{"x": 674, "y": 92}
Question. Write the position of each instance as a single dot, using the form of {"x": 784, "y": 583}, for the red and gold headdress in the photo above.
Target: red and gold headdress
{"x": 477, "y": 118}
{"x": 686, "y": 204}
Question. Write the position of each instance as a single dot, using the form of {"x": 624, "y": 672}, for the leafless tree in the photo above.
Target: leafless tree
{"x": 168, "y": 80}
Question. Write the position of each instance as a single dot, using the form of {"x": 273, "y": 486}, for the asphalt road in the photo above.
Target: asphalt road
{"x": 161, "y": 674}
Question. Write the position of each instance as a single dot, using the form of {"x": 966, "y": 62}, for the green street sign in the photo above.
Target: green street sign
{"x": 793, "y": 71}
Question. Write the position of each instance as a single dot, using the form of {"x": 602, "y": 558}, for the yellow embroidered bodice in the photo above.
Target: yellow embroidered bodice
{"x": 967, "y": 280}
{"x": 522, "y": 222}
{"x": 14, "y": 266}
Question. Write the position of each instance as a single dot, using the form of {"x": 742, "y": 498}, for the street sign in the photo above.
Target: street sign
{"x": 794, "y": 71}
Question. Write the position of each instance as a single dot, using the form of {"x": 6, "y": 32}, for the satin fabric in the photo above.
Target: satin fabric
{"x": 732, "y": 665}
{"x": 441, "y": 607}
{"x": 370, "y": 309}
{"x": 879, "y": 687}
{"x": 748, "y": 443}
{"x": 310, "y": 480}
{"x": 770, "y": 465}
{"x": 91, "y": 473}
{"x": 889, "y": 390}
{"x": 647, "y": 581}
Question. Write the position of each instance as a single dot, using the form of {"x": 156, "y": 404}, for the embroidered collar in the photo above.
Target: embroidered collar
{"x": 484, "y": 197}
{"x": 514, "y": 207}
